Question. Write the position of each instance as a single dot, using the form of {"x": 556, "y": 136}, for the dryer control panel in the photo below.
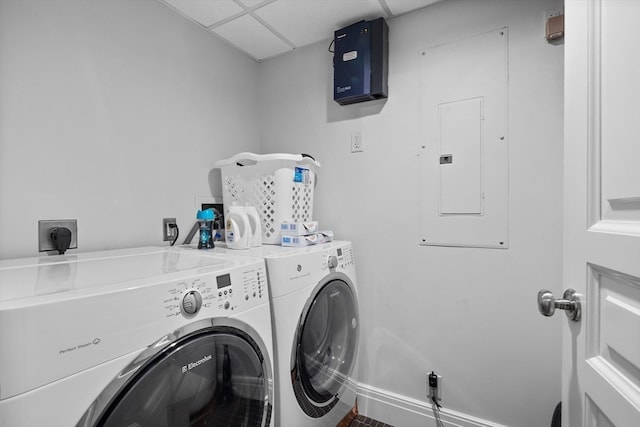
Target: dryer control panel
{"x": 340, "y": 257}
{"x": 220, "y": 294}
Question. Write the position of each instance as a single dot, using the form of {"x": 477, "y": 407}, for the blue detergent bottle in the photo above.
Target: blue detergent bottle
{"x": 205, "y": 219}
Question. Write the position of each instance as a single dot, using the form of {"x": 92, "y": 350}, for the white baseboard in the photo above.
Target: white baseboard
{"x": 402, "y": 411}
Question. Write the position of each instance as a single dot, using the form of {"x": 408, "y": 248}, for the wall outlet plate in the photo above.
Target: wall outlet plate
{"x": 168, "y": 233}
{"x": 44, "y": 233}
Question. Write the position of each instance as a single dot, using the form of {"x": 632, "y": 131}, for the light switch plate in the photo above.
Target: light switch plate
{"x": 356, "y": 142}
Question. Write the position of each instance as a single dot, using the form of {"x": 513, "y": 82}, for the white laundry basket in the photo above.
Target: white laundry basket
{"x": 279, "y": 185}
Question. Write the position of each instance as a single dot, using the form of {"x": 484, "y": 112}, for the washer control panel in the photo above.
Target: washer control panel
{"x": 217, "y": 294}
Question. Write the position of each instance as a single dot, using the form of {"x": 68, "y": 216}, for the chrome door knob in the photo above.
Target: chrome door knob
{"x": 547, "y": 304}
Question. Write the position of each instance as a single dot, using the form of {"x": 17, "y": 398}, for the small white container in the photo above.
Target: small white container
{"x": 255, "y": 238}
{"x": 237, "y": 228}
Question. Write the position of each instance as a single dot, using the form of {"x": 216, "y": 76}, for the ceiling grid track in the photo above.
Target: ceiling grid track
{"x": 267, "y": 29}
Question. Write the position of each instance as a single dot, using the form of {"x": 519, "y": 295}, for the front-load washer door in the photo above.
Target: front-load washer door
{"x": 325, "y": 348}
{"x": 216, "y": 376}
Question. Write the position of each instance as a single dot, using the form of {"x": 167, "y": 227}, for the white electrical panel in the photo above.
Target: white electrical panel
{"x": 463, "y": 153}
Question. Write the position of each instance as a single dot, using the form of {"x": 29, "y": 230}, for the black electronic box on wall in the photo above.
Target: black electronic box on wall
{"x": 360, "y": 62}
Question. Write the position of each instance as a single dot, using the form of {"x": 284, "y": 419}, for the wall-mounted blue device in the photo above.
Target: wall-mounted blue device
{"x": 360, "y": 62}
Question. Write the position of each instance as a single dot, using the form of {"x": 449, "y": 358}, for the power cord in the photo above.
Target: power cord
{"x": 172, "y": 225}
{"x": 432, "y": 380}
{"x": 436, "y": 411}
{"x": 435, "y": 402}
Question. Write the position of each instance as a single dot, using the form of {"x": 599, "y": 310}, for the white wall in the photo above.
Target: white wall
{"x": 468, "y": 314}
{"x": 113, "y": 112}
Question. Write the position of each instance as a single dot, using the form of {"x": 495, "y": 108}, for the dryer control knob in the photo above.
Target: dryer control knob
{"x": 332, "y": 261}
{"x": 191, "y": 302}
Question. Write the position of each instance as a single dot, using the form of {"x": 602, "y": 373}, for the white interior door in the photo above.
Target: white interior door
{"x": 601, "y": 357}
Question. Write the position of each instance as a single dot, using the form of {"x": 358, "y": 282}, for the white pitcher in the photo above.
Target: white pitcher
{"x": 237, "y": 228}
{"x": 255, "y": 239}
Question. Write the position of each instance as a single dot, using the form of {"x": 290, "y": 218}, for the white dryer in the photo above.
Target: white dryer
{"x": 161, "y": 337}
{"x": 315, "y": 314}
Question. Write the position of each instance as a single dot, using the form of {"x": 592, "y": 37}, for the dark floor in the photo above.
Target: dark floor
{"x": 362, "y": 421}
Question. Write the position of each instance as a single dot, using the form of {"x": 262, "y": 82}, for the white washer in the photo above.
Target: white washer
{"x": 149, "y": 336}
{"x": 315, "y": 314}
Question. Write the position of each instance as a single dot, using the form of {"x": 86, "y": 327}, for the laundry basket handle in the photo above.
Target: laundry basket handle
{"x": 252, "y": 157}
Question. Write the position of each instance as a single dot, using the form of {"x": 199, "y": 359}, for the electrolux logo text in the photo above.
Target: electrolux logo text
{"x": 191, "y": 365}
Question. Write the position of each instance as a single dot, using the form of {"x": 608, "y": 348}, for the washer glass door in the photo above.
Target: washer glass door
{"x": 216, "y": 377}
{"x": 326, "y": 347}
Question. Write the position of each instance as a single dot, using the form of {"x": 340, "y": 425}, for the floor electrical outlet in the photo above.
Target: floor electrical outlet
{"x": 356, "y": 142}
{"x": 434, "y": 387}
{"x": 168, "y": 232}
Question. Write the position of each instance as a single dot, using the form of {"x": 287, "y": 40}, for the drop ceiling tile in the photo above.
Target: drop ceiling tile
{"x": 206, "y": 12}
{"x": 252, "y": 3}
{"x": 303, "y": 22}
{"x": 398, "y": 7}
{"x": 249, "y": 35}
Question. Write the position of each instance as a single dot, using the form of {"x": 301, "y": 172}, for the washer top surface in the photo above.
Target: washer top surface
{"x": 58, "y": 277}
